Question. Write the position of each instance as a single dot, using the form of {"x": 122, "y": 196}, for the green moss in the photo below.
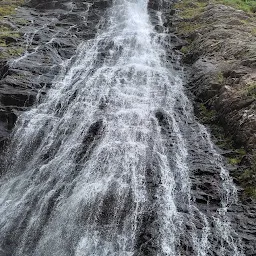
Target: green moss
{"x": 247, "y": 174}
{"x": 7, "y": 10}
{"x": 2, "y": 43}
{"x": 186, "y": 27}
{"x": 17, "y": 51}
{"x": 207, "y": 116}
{"x": 237, "y": 157}
{"x": 251, "y": 90}
{"x": 11, "y": 34}
{"x": 190, "y": 13}
{"x": 234, "y": 160}
{"x": 190, "y": 9}
{"x": 251, "y": 192}
{"x": 241, "y": 151}
{"x": 184, "y": 49}
{"x": 253, "y": 31}
{"x": 220, "y": 78}
{"x": 245, "y": 5}
{"x": 22, "y": 22}
{"x": 248, "y": 179}
{"x": 12, "y": 52}
{"x": 8, "y": 7}
{"x": 7, "y": 33}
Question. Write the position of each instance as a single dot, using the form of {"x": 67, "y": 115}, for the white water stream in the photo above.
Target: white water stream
{"x": 103, "y": 165}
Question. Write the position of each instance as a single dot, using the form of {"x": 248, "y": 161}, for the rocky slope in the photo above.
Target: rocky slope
{"x": 36, "y": 38}
{"x": 220, "y": 52}
{"x": 218, "y": 49}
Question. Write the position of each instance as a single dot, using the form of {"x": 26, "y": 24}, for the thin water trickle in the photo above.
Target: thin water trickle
{"x": 103, "y": 165}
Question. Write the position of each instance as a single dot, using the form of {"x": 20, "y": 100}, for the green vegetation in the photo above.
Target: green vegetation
{"x": 12, "y": 52}
{"x": 237, "y": 157}
{"x": 220, "y": 78}
{"x": 189, "y": 9}
{"x": 233, "y": 160}
{"x": 251, "y": 191}
{"x": 248, "y": 179}
{"x": 207, "y": 116}
{"x": 7, "y": 10}
{"x": 7, "y": 34}
{"x": 246, "y": 176}
{"x": 22, "y": 22}
{"x": 253, "y": 31}
{"x": 251, "y": 90}
{"x": 184, "y": 49}
{"x": 245, "y": 5}
{"x": 8, "y": 7}
{"x": 191, "y": 25}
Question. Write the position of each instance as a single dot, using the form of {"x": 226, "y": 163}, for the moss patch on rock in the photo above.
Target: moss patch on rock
{"x": 7, "y": 7}
{"x": 245, "y": 5}
{"x": 248, "y": 178}
{"x": 189, "y": 9}
{"x": 221, "y": 53}
{"x": 250, "y": 90}
{"x": 8, "y": 34}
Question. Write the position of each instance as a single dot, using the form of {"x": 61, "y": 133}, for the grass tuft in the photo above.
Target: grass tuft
{"x": 245, "y": 5}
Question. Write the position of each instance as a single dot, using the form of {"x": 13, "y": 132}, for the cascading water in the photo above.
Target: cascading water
{"x": 106, "y": 164}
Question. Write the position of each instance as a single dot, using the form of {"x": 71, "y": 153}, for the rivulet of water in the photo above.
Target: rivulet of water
{"x": 105, "y": 165}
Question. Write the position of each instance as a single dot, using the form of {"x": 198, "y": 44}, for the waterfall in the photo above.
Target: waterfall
{"x": 113, "y": 161}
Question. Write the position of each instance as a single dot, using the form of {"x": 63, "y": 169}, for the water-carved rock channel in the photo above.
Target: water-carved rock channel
{"x": 111, "y": 160}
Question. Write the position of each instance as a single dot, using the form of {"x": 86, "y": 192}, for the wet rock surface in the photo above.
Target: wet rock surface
{"x": 220, "y": 59}
{"x": 221, "y": 53}
{"x": 49, "y": 34}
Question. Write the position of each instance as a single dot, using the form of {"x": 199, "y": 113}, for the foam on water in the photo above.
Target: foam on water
{"x": 100, "y": 167}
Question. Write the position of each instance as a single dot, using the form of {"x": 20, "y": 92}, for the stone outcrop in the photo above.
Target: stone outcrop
{"x": 39, "y": 36}
{"x": 220, "y": 53}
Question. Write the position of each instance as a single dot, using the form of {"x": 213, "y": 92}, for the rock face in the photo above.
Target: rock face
{"x": 220, "y": 56}
{"x": 46, "y": 34}
{"x": 222, "y": 59}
